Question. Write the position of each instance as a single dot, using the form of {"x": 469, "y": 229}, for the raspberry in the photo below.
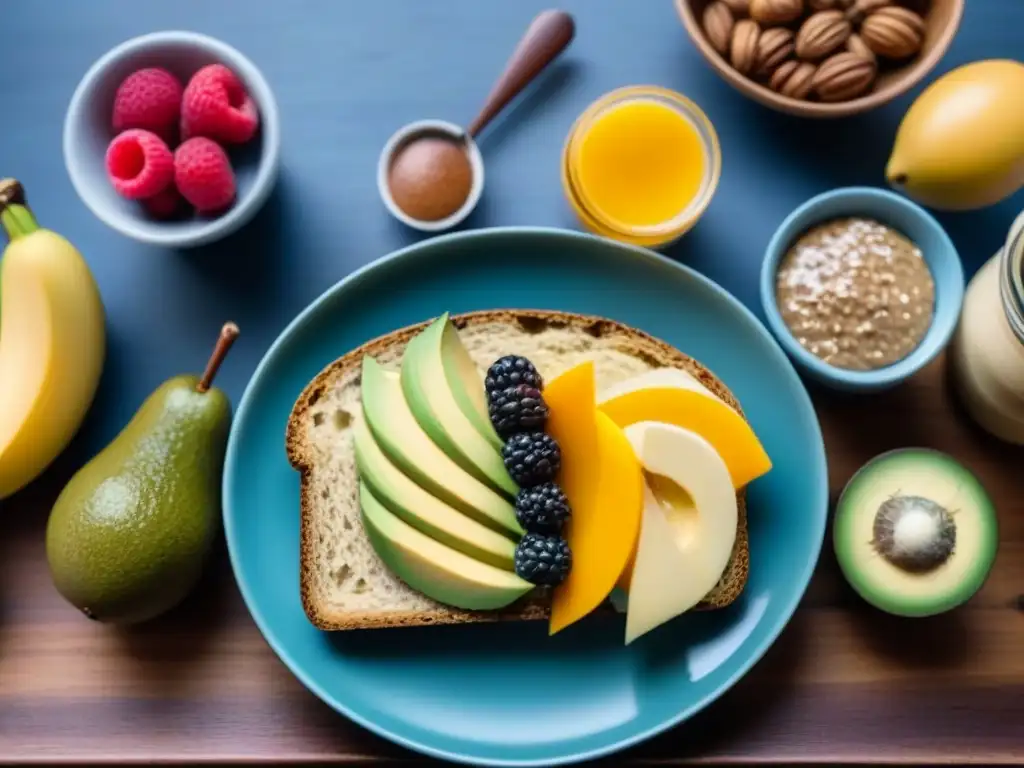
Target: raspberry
{"x": 150, "y": 99}
{"x": 216, "y": 105}
{"x": 204, "y": 175}
{"x": 139, "y": 164}
{"x": 164, "y": 205}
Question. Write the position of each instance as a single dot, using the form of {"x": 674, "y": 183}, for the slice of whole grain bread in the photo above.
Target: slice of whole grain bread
{"x": 344, "y": 584}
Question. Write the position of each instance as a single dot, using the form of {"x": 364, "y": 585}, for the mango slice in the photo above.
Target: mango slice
{"x": 698, "y": 412}
{"x": 602, "y": 479}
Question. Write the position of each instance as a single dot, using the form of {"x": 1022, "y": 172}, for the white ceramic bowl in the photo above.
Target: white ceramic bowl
{"x": 409, "y": 131}
{"x": 88, "y": 131}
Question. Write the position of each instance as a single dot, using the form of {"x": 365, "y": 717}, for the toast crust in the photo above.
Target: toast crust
{"x": 534, "y": 607}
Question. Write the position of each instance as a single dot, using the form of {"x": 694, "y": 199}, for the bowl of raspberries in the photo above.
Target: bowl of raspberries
{"x": 173, "y": 139}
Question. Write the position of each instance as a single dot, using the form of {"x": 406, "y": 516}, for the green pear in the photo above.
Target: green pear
{"x": 129, "y": 535}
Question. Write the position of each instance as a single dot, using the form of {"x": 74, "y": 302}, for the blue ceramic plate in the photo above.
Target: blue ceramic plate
{"x": 509, "y": 694}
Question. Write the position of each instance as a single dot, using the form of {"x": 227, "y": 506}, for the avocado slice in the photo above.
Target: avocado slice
{"x": 465, "y": 381}
{"x": 439, "y": 572}
{"x": 432, "y": 400}
{"x": 408, "y": 446}
{"x": 424, "y": 512}
{"x": 915, "y": 532}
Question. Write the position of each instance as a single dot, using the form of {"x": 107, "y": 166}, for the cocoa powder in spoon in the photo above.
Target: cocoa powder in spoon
{"x": 430, "y": 177}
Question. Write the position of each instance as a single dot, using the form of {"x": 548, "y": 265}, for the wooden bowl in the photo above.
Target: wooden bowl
{"x": 941, "y": 24}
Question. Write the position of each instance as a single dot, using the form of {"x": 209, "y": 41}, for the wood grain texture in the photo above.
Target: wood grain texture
{"x": 843, "y": 683}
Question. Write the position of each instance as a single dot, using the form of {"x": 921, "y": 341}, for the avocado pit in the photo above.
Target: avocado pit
{"x": 914, "y": 533}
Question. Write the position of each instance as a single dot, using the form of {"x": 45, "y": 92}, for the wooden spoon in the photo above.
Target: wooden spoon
{"x": 547, "y": 36}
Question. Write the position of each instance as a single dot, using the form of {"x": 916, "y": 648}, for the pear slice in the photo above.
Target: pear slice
{"x": 688, "y": 524}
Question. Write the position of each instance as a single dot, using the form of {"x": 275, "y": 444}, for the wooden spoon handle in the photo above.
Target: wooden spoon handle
{"x": 546, "y": 37}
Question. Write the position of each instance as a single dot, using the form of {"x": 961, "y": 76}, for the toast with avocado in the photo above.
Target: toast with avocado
{"x": 440, "y": 505}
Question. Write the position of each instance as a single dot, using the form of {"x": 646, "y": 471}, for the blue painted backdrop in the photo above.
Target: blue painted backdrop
{"x": 349, "y": 72}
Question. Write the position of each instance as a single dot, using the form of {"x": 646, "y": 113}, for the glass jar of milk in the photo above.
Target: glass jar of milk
{"x": 987, "y": 351}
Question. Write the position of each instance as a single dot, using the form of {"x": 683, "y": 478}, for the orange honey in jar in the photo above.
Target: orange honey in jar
{"x": 641, "y": 165}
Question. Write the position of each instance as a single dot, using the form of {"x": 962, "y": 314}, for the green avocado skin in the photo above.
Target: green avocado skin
{"x": 128, "y": 537}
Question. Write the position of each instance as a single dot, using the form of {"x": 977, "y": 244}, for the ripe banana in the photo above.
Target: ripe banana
{"x": 52, "y": 343}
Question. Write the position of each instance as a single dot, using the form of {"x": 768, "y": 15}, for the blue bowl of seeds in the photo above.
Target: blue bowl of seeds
{"x": 862, "y": 288}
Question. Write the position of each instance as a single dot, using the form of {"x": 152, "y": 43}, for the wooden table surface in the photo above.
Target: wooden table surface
{"x": 843, "y": 683}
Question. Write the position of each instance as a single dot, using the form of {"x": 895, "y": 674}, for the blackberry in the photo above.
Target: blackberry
{"x": 517, "y": 409}
{"x": 511, "y": 371}
{"x": 532, "y": 458}
{"x": 542, "y": 509}
{"x": 543, "y": 559}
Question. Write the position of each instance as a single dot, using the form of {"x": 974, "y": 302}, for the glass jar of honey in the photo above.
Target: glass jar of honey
{"x": 641, "y": 165}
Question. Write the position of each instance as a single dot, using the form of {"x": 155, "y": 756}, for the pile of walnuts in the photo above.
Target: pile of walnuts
{"x": 829, "y": 50}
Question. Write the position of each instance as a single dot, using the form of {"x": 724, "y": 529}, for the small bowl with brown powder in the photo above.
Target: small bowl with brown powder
{"x": 430, "y": 175}
{"x": 862, "y": 288}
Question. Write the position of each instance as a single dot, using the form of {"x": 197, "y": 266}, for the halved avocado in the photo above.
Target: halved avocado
{"x": 915, "y": 532}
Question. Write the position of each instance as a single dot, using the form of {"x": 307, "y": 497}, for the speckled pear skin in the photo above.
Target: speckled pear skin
{"x": 128, "y": 536}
